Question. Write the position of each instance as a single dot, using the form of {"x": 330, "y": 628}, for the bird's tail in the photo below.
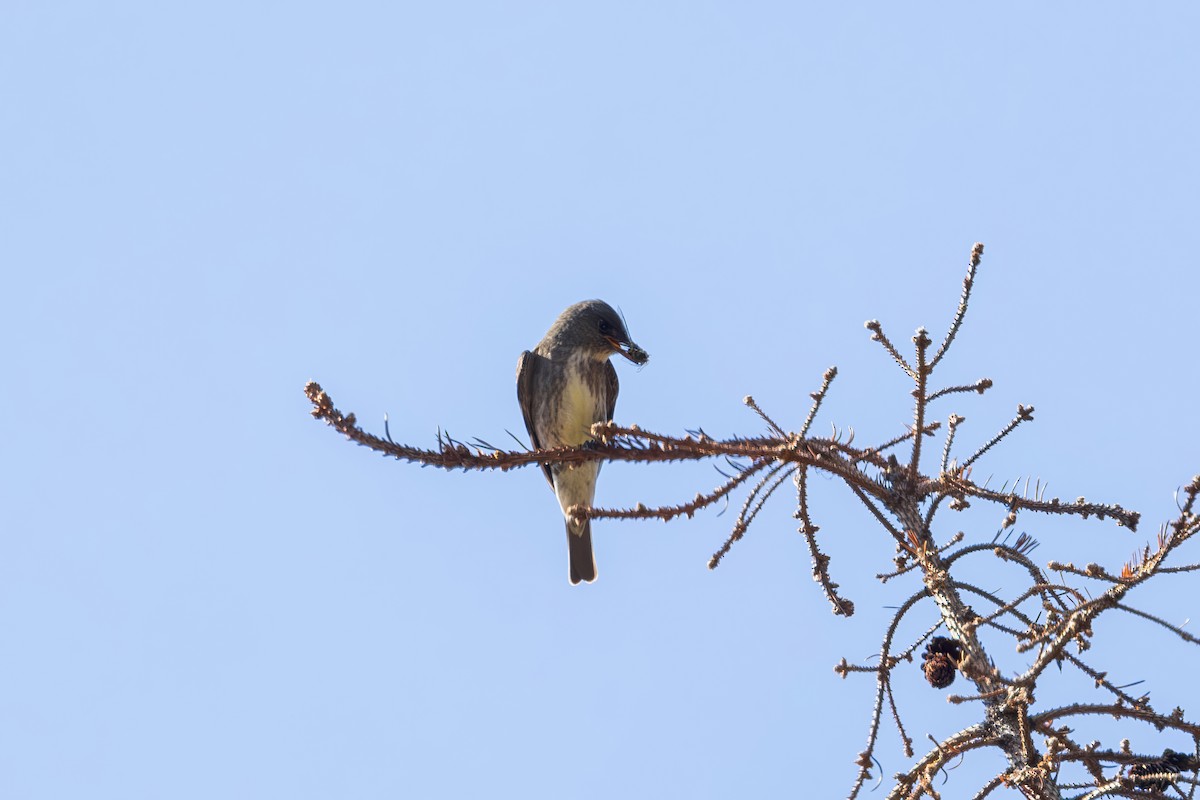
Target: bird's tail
{"x": 579, "y": 548}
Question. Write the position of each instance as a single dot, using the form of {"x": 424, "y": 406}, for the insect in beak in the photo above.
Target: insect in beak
{"x": 630, "y": 350}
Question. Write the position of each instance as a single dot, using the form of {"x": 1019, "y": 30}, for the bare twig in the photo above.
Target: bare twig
{"x": 961, "y": 312}
{"x": 818, "y": 397}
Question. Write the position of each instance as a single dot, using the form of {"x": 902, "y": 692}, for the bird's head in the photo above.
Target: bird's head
{"x": 595, "y": 325}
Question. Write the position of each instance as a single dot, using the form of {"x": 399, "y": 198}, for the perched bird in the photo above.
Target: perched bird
{"x": 564, "y": 385}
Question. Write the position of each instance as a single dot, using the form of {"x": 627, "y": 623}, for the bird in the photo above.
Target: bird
{"x": 565, "y": 384}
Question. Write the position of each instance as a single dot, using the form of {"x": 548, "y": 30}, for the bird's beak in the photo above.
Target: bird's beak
{"x": 630, "y": 350}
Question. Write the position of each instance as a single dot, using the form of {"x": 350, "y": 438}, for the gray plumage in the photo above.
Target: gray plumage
{"x": 564, "y": 385}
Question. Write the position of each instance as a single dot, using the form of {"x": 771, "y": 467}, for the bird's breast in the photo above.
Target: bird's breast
{"x": 582, "y": 405}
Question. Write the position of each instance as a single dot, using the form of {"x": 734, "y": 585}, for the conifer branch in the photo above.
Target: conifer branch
{"x": 1053, "y": 620}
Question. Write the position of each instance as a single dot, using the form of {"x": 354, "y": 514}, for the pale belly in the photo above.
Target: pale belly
{"x": 575, "y": 486}
{"x": 581, "y": 409}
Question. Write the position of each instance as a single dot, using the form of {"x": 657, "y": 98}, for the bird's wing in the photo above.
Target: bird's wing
{"x": 614, "y": 386}
{"x": 527, "y": 367}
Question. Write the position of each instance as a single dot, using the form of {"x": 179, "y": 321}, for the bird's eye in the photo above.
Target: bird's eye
{"x": 605, "y": 328}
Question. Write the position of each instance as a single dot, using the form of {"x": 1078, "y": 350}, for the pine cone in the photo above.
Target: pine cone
{"x": 944, "y": 644}
{"x": 1171, "y": 762}
{"x": 940, "y": 660}
{"x": 940, "y": 671}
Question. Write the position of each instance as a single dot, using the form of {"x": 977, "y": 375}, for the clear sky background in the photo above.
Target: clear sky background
{"x": 204, "y": 593}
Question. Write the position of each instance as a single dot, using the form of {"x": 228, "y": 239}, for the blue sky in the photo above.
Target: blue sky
{"x": 203, "y": 593}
